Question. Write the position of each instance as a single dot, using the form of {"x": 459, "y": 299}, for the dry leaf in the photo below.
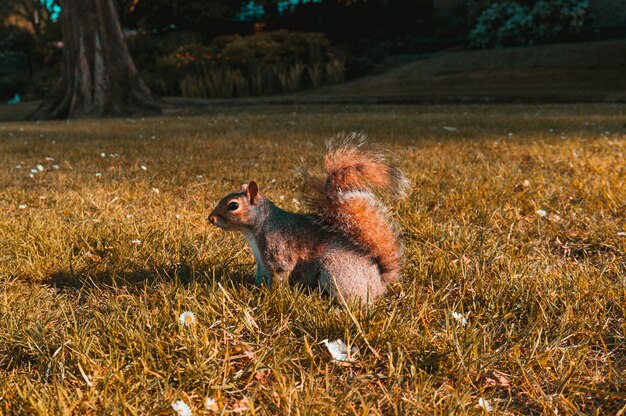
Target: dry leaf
{"x": 211, "y": 405}
{"x": 92, "y": 257}
{"x": 241, "y": 406}
{"x": 485, "y": 405}
{"x": 263, "y": 376}
{"x": 340, "y": 352}
{"x": 496, "y": 379}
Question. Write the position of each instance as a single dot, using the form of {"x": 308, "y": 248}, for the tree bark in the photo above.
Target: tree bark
{"x": 99, "y": 76}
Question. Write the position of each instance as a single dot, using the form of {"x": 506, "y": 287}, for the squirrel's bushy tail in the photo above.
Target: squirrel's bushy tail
{"x": 345, "y": 201}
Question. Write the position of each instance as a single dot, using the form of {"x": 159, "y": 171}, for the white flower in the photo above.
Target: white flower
{"x": 98, "y": 174}
{"x": 181, "y": 408}
{"x": 103, "y": 154}
{"x": 485, "y": 405}
{"x": 211, "y": 404}
{"x": 339, "y": 350}
{"x": 135, "y": 241}
{"x": 40, "y": 168}
{"x": 187, "y": 318}
{"x": 23, "y": 206}
{"x": 49, "y": 159}
{"x": 143, "y": 167}
{"x": 459, "y": 318}
{"x": 156, "y": 190}
{"x": 541, "y": 212}
{"x": 18, "y": 166}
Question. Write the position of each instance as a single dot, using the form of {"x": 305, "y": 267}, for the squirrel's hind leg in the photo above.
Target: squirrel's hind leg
{"x": 350, "y": 275}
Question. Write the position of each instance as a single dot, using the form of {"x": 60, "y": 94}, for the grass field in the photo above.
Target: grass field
{"x": 561, "y": 72}
{"x": 516, "y": 224}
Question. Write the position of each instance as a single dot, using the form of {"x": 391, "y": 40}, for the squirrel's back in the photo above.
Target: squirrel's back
{"x": 346, "y": 202}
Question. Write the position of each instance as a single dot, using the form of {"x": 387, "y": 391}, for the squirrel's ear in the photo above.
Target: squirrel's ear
{"x": 252, "y": 191}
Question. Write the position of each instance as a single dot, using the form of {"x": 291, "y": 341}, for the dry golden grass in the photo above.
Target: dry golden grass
{"x": 89, "y": 318}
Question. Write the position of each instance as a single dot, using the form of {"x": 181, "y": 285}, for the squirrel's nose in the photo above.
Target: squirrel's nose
{"x": 213, "y": 219}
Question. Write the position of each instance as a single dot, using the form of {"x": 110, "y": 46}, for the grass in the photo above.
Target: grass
{"x": 561, "y": 72}
{"x": 89, "y": 317}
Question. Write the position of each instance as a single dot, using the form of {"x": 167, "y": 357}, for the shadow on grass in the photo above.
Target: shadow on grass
{"x": 136, "y": 278}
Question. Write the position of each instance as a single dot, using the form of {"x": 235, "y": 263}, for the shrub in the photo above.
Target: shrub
{"x": 239, "y": 66}
{"x": 512, "y": 23}
{"x": 15, "y": 39}
{"x": 335, "y": 70}
{"x": 39, "y": 66}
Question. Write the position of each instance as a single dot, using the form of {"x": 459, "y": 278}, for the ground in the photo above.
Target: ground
{"x": 590, "y": 71}
{"x": 513, "y": 295}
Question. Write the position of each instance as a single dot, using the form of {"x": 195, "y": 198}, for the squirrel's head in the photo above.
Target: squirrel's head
{"x": 238, "y": 210}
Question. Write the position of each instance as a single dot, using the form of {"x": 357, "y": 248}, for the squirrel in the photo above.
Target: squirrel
{"x": 347, "y": 246}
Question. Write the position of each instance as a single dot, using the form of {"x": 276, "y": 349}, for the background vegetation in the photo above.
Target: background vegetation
{"x": 241, "y": 66}
{"x": 515, "y": 223}
{"x": 341, "y": 39}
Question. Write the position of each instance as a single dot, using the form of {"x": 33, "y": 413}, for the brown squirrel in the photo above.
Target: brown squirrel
{"x": 347, "y": 246}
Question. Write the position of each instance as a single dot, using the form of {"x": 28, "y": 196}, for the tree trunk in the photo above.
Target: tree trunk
{"x": 99, "y": 76}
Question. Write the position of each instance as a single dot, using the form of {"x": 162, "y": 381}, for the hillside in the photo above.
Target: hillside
{"x": 585, "y": 71}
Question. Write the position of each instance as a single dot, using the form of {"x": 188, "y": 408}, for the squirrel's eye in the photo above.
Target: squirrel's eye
{"x": 233, "y": 206}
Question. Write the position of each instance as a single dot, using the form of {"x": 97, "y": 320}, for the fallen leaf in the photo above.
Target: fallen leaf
{"x": 181, "y": 408}
{"x": 211, "y": 405}
{"x": 340, "y": 352}
{"x": 241, "y": 406}
{"x": 263, "y": 376}
{"x": 485, "y": 405}
{"x": 496, "y": 379}
{"x": 92, "y": 257}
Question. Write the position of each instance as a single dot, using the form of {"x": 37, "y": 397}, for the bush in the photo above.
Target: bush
{"x": 239, "y": 66}
{"x": 14, "y": 39}
{"x": 42, "y": 62}
{"x": 513, "y": 23}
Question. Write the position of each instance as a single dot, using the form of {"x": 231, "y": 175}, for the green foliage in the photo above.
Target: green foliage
{"x": 515, "y": 23}
{"x": 239, "y": 66}
{"x": 89, "y": 315}
{"x": 15, "y": 39}
{"x": 43, "y": 60}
